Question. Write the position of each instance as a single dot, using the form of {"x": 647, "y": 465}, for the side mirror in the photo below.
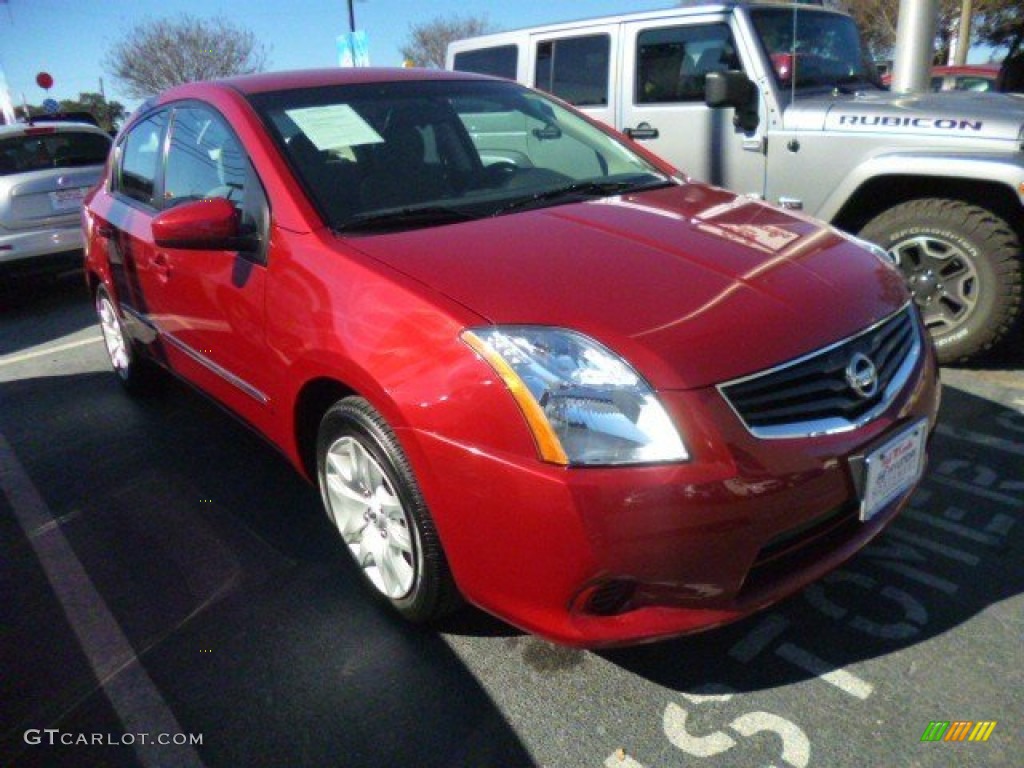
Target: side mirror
{"x": 203, "y": 225}
{"x": 733, "y": 89}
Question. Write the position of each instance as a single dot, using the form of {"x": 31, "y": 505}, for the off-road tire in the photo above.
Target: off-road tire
{"x": 991, "y": 252}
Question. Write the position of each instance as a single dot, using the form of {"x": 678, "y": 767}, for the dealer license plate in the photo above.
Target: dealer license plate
{"x": 893, "y": 469}
{"x": 64, "y": 200}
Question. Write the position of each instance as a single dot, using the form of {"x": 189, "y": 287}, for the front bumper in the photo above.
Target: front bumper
{"x": 605, "y": 556}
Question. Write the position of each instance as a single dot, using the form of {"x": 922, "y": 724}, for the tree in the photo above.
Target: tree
{"x": 992, "y": 22}
{"x": 108, "y": 114}
{"x": 428, "y": 42}
{"x": 156, "y": 55}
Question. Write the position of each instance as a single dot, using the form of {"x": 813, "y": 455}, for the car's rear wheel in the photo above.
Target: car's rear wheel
{"x": 962, "y": 264}
{"x": 372, "y": 497}
{"x": 131, "y": 371}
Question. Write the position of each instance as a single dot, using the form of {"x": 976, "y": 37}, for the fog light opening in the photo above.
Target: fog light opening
{"x": 609, "y": 597}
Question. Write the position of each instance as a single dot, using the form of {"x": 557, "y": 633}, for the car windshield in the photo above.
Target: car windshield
{"x": 47, "y": 148}
{"x": 825, "y": 51}
{"x": 382, "y": 156}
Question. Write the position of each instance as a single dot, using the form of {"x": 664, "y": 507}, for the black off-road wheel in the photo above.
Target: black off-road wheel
{"x": 962, "y": 264}
{"x": 371, "y": 495}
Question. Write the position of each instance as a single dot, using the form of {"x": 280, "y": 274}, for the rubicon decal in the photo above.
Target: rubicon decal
{"x": 941, "y": 123}
{"x": 958, "y": 730}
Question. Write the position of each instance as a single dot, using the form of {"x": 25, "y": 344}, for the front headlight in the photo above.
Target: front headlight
{"x": 880, "y": 253}
{"x": 585, "y": 405}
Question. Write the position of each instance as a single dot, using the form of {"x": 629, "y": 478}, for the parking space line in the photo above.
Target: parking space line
{"x": 130, "y": 690}
{"x": 840, "y": 678}
{"x": 12, "y": 359}
{"x": 1002, "y": 498}
{"x": 933, "y": 546}
{"x": 759, "y": 638}
{"x": 921, "y": 577}
{"x": 955, "y": 528}
{"x": 988, "y": 441}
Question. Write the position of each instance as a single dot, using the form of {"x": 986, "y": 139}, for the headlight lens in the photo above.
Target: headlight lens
{"x": 880, "y": 253}
{"x": 584, "y": 404}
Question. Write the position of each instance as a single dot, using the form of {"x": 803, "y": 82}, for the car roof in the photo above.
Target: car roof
{"x": 312, "y": 78}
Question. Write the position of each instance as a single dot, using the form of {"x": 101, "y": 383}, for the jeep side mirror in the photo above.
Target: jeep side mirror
{"x": 733, "y": 89}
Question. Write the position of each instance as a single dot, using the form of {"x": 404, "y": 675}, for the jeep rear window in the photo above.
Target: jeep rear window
{"x": 66, "y": 149}
{"x": 499, "y": 61}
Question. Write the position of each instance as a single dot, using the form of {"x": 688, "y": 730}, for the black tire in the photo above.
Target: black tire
{"x": 135, "y": 373}
{"x": 963, "y": 265}
{"x": 352, "y": 427}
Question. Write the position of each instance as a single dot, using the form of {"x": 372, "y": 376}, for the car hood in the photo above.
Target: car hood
{"x": 692, "y": 284}
{"x": 997, "y": 116}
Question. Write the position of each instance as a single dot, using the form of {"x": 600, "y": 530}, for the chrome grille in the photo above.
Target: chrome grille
{"x": 816, "y": 395}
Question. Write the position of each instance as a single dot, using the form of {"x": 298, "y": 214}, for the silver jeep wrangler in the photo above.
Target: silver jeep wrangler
{"x": 778, "y": 101}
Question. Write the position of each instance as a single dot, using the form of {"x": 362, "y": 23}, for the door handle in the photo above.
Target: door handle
{"x": 641, "y": 132}
{"x": 162, "y": 267}
{"x": 105, "y": 231}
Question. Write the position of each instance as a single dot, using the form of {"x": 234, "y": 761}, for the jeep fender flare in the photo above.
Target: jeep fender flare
{"x": 965, "y": 168}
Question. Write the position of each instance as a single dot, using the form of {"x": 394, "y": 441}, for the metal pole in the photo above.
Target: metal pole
{"x": 963, "y": 39}
{"x": 351, "y": 16}
{"x": 915, "y": 42}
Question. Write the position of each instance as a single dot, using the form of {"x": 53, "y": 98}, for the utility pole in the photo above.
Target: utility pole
{"x": 915, "y": 41}
{"x": 352, "y": 15}
{"x": 963, "y": 37}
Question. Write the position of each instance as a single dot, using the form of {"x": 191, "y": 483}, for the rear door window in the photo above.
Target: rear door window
{"x": 575, "y": 69}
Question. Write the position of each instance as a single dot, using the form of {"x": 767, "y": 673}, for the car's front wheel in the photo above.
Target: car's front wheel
{"x": 372, "y": 497}
{"x": 962, "y": 264}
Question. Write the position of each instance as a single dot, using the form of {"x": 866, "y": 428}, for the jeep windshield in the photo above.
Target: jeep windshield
{"x": 826, "y": 50}
{"x": 402, "y": 155}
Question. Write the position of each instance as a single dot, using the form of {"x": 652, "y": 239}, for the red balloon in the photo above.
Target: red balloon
{"x": 44, "y": 80}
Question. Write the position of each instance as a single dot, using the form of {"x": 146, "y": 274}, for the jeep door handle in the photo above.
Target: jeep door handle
{"x": 641, "y": 132}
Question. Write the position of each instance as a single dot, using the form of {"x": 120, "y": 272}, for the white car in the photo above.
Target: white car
{"x": 45, "y": 171}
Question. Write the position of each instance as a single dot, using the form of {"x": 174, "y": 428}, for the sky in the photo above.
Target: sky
{"x": 69, "y": 39}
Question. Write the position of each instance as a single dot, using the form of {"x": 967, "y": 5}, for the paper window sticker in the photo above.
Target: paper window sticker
{"x": 334, "y": 127}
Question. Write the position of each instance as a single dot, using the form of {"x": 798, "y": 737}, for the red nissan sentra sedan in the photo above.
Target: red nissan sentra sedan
{"x": 529, "y": 364}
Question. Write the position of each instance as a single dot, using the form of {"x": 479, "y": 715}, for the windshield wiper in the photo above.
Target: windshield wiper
{"x": 580, "y": 189}
{"x": 402, "y": 218}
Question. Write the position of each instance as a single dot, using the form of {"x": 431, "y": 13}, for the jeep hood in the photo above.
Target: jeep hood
{"x": 692, "y": 284}
{"x": 993, "y": 116}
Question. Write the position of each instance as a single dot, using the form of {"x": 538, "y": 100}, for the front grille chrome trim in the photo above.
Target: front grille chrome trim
{"x": 837, "y": 424}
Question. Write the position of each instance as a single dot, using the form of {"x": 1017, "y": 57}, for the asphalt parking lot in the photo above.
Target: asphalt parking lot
{"x": 172, "y": 596}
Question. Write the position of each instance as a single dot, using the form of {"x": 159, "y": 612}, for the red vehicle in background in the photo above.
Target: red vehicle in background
{"x": 528, "y": 363}
{"x": 979, "y": 78}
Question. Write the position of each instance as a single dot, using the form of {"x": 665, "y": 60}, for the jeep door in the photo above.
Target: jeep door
{"x": 665, "y": 63}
